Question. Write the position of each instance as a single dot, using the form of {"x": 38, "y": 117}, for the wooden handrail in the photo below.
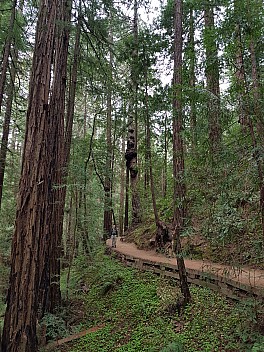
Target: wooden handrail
{"x": 220, "y": 283}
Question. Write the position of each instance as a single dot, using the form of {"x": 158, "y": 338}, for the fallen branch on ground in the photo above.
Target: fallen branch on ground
{"x": 57, "y": 343}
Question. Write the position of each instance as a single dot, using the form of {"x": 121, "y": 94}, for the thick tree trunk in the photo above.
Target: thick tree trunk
{"x": 212, "y": 78}
{"x": 180, "y": 210}
{"x": 31, "y": 238}
{"x": 50, "y": 284}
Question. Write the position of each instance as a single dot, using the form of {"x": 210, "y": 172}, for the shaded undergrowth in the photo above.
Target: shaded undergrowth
{"x": 140, "y": 313}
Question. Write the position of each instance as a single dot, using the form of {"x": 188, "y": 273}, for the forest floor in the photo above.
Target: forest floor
{"x": 244, "y": 275}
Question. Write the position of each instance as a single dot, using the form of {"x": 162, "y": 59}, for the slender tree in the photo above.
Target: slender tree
{"x": 7, "y": 51}
{"x": 212, "y": 80}
{"x": 10, "y": 60}
{"x": 108, "y": 163}
{"x": 131, "y": 154}
{"x": 192, "y": 81}
{"x": 180, "y": 210}
{"x": 122, "y": 185}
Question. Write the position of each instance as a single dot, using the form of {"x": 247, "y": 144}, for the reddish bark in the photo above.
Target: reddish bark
{"x": 180, "y": 210}
{"x": 29, "y": 247}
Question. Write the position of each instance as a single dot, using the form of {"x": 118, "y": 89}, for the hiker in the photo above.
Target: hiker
{"x": 113, "y": 236}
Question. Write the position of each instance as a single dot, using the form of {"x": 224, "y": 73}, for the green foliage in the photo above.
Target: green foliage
{"x": 55, "y": 326}
{"x": 175, "y": 346}
{"x": 4, "y": 271}
{"x": 210, "y": 323}
{"x": 258, "y": 346}
{"x": 137, "y": 315}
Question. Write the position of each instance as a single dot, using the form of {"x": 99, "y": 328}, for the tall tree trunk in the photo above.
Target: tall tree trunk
{"x": 180, "y": 210}
{"x": 146, "y": 171}
{"x": 51, "y": 280}
{"x": 254, "y": 126}
{"x": 256, "y": 92}
{"x": 240, "y": 80}
{"x": 212, "y": 78}
{"x": 122, "y": 188}
{"x": 7, "y": 50}
{"x": 131, "y": 152}
{"x": 126, "y": 201}
{"x": 148, "y": 152}
{"x": 69, "y": 124}
{"x": 10, "y": 91}
{"x": 162, "y": 230}
{"x": 30, "y": 247}
{"x": 259, "y": 143}
{"x": 192, "y": 83}
{"x": 240, "y": 71}
{"x": 108, "y": 163}
{"x": 165, "y": 165}
{"x": 6, "y": 128}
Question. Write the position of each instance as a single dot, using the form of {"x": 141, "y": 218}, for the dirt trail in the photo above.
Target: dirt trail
{"x": 251, "y": 277}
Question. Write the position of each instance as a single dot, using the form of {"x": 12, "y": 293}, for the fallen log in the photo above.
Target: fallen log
{"x": 58, "y": 343}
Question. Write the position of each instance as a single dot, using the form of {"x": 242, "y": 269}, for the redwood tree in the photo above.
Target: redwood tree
{"x": 32, "y": 237}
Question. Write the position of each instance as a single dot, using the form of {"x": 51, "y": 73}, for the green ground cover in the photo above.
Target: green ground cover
{"x": 140, "y": 313}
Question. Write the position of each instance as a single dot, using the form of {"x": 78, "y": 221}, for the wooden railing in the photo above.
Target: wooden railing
{"x": 219, "y": 283}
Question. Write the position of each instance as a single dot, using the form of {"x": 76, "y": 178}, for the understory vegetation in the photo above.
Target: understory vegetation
{"x": 137, "y": 311}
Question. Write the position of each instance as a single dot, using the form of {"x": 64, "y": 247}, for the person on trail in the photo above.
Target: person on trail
{"x": 113, "y": 236}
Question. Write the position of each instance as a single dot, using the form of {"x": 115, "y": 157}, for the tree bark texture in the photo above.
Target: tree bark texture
{"x": 212, "y": 79}
{"x": 52, "y": 295}
{"x": 180, "y": 211}
{"x": 30, "y": 265}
